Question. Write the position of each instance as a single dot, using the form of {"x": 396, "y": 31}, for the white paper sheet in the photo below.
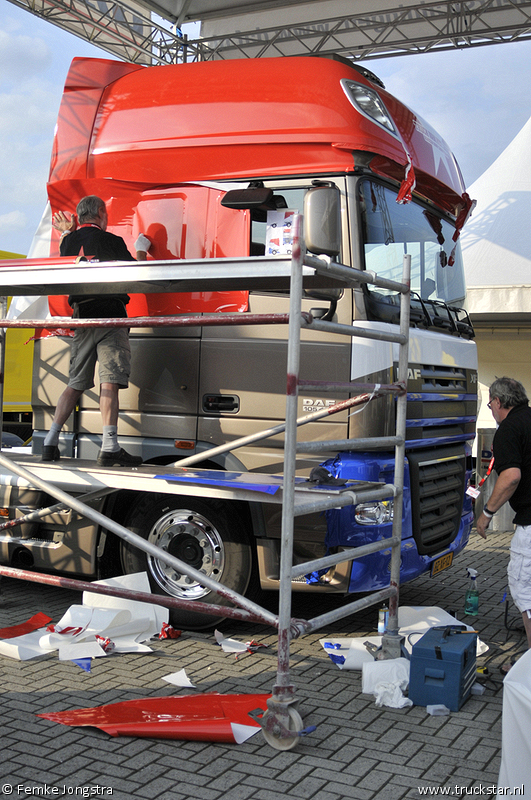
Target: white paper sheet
{"x": 243, "y": 732}
{"x": 179, "y": 679}
{"x": 23, "y": 648}
{"x": 413, "y": 622}
{"x": 77, "y": 650}
{"x": 230, "y": 645}
{"x": 138, "y": 582}
{"x": 128, "y": 623}
{"x": 393, "y": 670}
{"x": 387, "y": 681}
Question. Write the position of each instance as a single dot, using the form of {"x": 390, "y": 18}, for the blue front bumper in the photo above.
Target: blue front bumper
{"x": 372, "y": 572}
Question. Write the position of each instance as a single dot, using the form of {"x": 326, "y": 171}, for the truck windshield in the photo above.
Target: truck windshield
{"x": 390, "y": 230}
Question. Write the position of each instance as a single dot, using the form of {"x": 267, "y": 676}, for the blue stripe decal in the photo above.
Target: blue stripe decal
{"x": 254, "y": 482}
{"x": 418, "y": 443}
{"x": 235, "y": 480}
{"x": 426, "y": 423}
{"x": 452, "y": 397}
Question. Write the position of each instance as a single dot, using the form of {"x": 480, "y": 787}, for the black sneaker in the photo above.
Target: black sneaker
{"x": 50, "y": 452}
{"x": 118, "y": 459}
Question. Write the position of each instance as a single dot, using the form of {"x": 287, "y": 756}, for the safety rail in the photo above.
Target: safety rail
{"x": 280, "y": 723}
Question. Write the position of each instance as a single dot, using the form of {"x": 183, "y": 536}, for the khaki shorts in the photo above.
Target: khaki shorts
{"x": 519, "y": 569}
{"x": 109, "y": 347}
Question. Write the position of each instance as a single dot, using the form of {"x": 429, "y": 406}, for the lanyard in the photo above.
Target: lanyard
{"x": 489, "y": 470}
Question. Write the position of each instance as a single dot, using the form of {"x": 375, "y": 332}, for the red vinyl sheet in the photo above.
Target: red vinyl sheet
{"x": 204, "y": 717}
{"x": 33, "y": 624}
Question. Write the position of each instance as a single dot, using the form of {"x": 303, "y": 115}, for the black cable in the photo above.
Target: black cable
{"x": 519, "y": 628}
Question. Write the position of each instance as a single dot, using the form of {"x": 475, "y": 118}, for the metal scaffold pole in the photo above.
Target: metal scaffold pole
{"x": 282, "y": 725}
{"x": 391, "y": 642}
{"x": 284, "y": 716}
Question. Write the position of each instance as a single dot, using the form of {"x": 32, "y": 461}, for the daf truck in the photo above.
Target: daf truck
{"x": 211, "y": 160}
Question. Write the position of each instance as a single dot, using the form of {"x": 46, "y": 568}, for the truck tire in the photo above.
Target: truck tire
{"x": 207, "y": 534}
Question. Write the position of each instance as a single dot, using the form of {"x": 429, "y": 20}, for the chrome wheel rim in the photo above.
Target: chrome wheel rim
{"x": 192, "y": 539}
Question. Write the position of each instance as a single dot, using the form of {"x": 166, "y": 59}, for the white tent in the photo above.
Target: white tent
{"x": 496, "y": 246}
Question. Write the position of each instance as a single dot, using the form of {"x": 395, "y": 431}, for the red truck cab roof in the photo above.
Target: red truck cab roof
{"x": 239, "y": 119}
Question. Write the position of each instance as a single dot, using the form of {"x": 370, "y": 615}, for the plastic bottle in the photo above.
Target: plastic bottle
{"x": 472, "y": 593}
{"x": 383, "y": 616}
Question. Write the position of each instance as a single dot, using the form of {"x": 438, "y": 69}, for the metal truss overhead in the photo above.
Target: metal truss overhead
{"x": 129, "y": 32}
{"x": 409, "y": 29}
{"x": 126, "y": 31}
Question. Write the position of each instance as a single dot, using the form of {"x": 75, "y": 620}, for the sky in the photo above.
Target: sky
{"x": 477, "y": 98}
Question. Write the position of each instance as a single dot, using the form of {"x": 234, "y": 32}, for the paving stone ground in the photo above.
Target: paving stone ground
{"x": 358, "y": 750}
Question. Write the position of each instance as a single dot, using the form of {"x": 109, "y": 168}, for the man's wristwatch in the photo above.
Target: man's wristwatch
{"x": 487, "y": 512}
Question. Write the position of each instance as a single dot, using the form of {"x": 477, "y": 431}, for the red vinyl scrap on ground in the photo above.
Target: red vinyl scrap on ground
{"x": 32, "y": 624}
{"x": 204, "y": 717}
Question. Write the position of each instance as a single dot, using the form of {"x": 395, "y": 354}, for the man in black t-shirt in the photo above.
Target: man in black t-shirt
{"x": 512, "y": 461}
{"x": 109, "y": 346}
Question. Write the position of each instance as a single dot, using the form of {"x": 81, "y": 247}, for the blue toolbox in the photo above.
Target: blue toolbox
{"x": 443, "y": 667}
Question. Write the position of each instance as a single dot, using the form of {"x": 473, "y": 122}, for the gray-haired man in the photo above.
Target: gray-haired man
{"x": 511, "y": 448}
{"x": 109, "y": 346}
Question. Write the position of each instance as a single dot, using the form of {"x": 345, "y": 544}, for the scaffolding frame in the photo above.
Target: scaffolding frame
{"x": 281, "y": 724}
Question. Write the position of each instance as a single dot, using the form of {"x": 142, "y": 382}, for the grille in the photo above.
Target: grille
{"x": 437, "y": 378}
{"x": 442, "y": 402}
{"x": 437, "y": 483}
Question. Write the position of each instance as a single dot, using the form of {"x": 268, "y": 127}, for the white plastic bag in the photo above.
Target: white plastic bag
{"x": 387, "y": 680}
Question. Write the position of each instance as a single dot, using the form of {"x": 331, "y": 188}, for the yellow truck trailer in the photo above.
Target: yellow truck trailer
{"x": 17, "y": 376}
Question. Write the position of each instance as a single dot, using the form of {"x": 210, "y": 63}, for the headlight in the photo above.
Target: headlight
{"x": 368, "y": 103}
{"x": 374, "y": 513}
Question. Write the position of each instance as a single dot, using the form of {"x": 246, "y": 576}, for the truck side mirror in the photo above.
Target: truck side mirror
{"x": 322, "y": 221}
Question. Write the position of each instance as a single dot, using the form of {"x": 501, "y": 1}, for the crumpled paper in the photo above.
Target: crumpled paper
{"x": 387, "y": 680}
{"x": 236, "y": 647}
{"x": 126, "y": 623}
{"x": 391, "y": 694}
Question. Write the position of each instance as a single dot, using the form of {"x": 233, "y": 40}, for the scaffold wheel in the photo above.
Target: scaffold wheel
{"x": 275, "y": 739}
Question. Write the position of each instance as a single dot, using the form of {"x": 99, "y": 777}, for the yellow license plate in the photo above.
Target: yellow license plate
{"x": 441, "y": 563}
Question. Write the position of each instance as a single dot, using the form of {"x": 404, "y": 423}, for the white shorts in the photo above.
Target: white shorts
{"x": 519, "y": 568}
